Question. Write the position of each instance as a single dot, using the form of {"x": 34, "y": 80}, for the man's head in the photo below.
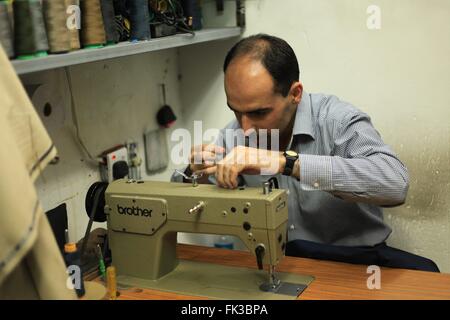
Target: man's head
{"x": 262, "y": 83}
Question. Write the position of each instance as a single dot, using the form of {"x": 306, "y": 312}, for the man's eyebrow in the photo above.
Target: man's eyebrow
{"x": 251, "y": 111}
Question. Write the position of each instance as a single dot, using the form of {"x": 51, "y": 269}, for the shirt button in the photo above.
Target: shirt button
{"x": 316, "y": 185}
{"x": 291, "y": 227}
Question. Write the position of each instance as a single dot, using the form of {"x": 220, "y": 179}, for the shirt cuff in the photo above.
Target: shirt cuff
{"x": 315, "y": 172}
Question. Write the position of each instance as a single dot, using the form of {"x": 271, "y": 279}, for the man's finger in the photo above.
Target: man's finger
{"x": 214, "y": 148}
{"x": 202, "y": 157}
{"x": 208, "y": 171}
{"x": 219, "y": 176}
{"x": 234, "y": 178}
{"x": 209, "y": 157}
{"x": 225, "y": 176}
{"x": 230, "y": 172}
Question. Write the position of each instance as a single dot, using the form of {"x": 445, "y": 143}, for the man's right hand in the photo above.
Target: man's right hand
{"x": 204, "y": 156}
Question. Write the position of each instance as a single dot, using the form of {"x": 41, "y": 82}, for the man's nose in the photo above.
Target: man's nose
{"x": 246, "y": 123}
{"x": 249, "y": 132}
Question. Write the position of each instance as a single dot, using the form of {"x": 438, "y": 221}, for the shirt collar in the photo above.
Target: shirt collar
{"x": 303, "y": 123}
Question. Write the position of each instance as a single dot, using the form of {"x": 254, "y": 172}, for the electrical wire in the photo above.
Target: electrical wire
{"x": 172, "y": 16}
{"x": 75, "y": 118}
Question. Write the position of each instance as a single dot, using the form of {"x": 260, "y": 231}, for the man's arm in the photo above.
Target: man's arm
{"x": 362, "y": 169}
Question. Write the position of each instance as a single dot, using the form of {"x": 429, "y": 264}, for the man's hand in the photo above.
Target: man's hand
{"x": 204, "y": 156}
{"x": 245, "y": 160}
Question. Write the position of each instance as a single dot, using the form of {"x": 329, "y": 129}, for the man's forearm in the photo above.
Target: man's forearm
{"x": 379, "y": 179}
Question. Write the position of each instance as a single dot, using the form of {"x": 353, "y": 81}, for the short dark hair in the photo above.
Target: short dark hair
{"x": 275, "y": 54}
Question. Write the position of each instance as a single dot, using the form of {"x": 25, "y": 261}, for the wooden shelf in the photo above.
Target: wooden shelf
{"x": 122, "y": 49}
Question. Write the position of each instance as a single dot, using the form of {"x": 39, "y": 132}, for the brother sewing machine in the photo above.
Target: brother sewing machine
{"x": 144, "y": 218}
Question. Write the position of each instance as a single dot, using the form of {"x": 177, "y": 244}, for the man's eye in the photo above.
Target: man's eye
{"x": 259, "y": 113}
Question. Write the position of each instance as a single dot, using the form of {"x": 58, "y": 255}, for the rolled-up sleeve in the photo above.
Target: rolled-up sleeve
{"x": 362, "y": 168}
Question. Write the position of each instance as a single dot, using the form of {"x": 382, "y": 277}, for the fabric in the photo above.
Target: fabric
{"x": 380, "y": 255}
{"x": 347, "y": 173}
{"x": 30, "y": 262}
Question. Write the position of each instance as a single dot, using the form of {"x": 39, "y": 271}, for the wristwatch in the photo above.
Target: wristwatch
{"x": 291, "y": 157}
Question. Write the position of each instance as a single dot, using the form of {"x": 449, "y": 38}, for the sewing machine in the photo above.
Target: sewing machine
{"x": 144, "y": 218}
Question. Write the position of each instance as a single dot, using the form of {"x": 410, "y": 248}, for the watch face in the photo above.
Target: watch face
{"x": 291, "y": 153}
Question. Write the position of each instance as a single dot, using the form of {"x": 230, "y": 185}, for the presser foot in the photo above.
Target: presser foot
{"x": 275, "y": 285}
{"x": 284, "y": 288}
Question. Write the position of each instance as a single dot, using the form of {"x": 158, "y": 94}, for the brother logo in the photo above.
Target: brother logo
{"x": 134, "y": 211}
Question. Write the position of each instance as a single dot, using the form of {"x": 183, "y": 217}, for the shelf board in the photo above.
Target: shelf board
{"x": 122, "y": 49}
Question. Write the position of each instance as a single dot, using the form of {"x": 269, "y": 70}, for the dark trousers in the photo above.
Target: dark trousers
{"x": 380, "y": 255}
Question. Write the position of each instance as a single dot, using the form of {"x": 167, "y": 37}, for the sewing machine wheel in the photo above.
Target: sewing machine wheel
{"x": 89, "y": 201}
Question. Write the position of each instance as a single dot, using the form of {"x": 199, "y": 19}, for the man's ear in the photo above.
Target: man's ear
{"x": 296, "y": 92}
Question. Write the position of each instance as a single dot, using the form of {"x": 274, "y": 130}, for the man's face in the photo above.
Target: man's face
{"x": 250, "y": 95}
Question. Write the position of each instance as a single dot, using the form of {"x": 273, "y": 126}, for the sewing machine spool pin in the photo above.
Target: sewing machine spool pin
{"x": 194, "y": 177}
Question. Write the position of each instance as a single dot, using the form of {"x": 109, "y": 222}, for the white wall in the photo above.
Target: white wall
{"x": 399, "y": 74}
{"x": 114, "y": 100}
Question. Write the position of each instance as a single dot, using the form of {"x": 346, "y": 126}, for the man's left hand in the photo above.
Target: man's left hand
{"x": 246, "y": 160}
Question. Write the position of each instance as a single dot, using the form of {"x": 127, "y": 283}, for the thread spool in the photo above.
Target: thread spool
{"x": 40, "y": 33}
{"x": 24, "y": 41}
{"x": 56, "y": 23}
{"x": 111, "y": 282}
{"x": 6, "y": 39}
{"x": 30, "y": 37}
{"x": 109, "y": 21}
{"x": 140, "y": 20}
{"x": 73, "y": 12}
{"x": 92, "y": 27}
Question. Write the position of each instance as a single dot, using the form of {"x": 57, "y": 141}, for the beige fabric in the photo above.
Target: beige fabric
{"x": 28, "y": 249}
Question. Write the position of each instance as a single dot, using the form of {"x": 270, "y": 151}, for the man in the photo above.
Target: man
{"x": 337, "y": 169}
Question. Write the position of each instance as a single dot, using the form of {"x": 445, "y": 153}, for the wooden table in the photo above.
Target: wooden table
{"x": 333, "y": 280}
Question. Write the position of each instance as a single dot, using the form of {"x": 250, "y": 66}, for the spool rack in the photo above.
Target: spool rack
{"x": 122, "y": 49}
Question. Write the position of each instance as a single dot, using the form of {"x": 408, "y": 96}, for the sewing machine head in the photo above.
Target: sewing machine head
{"x": 145, "y": 216}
